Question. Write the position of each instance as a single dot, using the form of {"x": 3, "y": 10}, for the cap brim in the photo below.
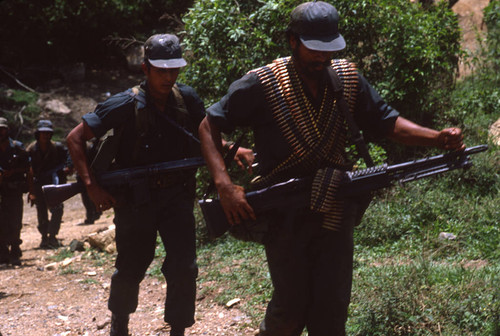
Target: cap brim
{"x": 45, "y": 129}
{"x": 323, "y": 44}
{"x": 169, "y": 63}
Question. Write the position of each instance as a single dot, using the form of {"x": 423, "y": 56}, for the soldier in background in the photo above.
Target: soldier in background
{"x": 14, "y": 170}
{"x": 157, "y": 122}
{"x": 49, "y": 161}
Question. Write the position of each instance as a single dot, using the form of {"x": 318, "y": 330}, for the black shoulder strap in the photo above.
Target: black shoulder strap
{"x": 357, "y": 137}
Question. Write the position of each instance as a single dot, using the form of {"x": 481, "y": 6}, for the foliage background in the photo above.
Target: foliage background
{"x": 395, "y": 43}
{"x": 61, "y": 31}
{"x": 407, "y": 281}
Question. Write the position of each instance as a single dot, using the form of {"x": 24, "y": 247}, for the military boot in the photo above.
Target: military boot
{"x": 15, "y": 255}
{"x": 119, "y": 325}
{"x": 4, "y": 254}
{"x": 176, "y": 331}
{"x": 45, "y": 241}
{"x": 53, "y": 242}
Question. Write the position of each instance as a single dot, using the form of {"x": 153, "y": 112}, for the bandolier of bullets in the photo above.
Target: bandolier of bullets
{"x": 316, "y": 137}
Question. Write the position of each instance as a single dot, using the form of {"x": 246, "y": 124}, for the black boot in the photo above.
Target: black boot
{"x": 176, "y": 331}
{"x": 15, "y": 255}
{"x": 119, "y": 325}
{"x": 53, "y": 242}
{"x": 4, "y": 254}
{"x": 45, "y": 242}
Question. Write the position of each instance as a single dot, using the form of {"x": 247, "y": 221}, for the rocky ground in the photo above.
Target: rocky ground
{"x": 69, "y": 298}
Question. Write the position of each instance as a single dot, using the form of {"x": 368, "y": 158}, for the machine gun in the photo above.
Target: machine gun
{"x": 297, "y": 192}
{"x": 56, "y": 194}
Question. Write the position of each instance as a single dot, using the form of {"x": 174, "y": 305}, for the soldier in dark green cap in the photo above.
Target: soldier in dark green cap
{"x": 157, "y": 120}
{"x": 14, "y": 169}
{"x": 292, "y": 106}
{"x": 49, "y": 161}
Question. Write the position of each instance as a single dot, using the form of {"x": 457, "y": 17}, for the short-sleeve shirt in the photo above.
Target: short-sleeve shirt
{"x": 245, "y": 106}
{"x": 46, "y": 163}
{"x": 163, "y": 141}
{"x": 15, "y": 157}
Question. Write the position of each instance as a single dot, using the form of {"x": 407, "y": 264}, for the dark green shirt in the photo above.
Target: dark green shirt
{"x": 16, "y": 158}
{"x": 162, "y": 142}
{"x": 245, "y": 106}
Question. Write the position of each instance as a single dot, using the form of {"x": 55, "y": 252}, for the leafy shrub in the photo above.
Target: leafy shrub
{"x": 492, "y": 20}
{"x": 227, "y": 39}
{"x": 21, "y": 110}
{"x": 402, "y": 50}
{"x": 397, "y": 44}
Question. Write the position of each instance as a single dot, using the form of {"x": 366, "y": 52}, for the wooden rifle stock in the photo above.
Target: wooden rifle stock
{"x": 56, "y": 194}
{"x": 296, "y": 192}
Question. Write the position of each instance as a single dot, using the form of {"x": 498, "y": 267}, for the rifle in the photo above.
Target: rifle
{"x": 296, "y": 192}
{"x": 56, "y": 194}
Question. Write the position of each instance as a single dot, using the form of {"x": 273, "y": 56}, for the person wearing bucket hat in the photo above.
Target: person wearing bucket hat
{"x": 50, "y": 165}
{"x": 295, "y": 107}
{"x": 154, "y": 122}
{"x": 14, "y": 181}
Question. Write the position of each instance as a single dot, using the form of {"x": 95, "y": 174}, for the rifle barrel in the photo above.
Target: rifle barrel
{"x": 123, "y": 176}
{"x": 56, "y": 194}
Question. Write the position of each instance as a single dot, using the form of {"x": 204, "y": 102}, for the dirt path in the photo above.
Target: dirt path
{"x": 72, "y": 300}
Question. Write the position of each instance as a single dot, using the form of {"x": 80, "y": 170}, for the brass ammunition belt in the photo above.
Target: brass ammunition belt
{"x": 317, "y": 136}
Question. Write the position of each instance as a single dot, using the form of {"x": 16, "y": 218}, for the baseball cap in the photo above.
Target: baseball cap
{"x": 3, "y": 122}
{"x": 317, "y": 24}
{"x": 164, "y": 51}
{"x": 44, "y": 126}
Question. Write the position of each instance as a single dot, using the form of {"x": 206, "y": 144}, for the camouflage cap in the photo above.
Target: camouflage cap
{"x": 44, "y": 126}
{"x": 164, "y": 51}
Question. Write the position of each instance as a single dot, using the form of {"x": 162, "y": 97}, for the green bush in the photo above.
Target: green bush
{"x": 397, "y": 45}
{"x": 492, "y": 51}
{"x": 21, "y": 110}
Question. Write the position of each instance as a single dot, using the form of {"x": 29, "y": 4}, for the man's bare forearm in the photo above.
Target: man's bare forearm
{"x": 77, "y": 145}
{"x": 409, "y": 133}
{"x": 211, "y": 148}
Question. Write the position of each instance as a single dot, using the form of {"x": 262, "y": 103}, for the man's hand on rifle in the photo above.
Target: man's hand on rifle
{"x": 244, "y": 158}
{"x": 101, "y": 198}
{"x": 451, "y": 139}
{"x": 233, "y": 201}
